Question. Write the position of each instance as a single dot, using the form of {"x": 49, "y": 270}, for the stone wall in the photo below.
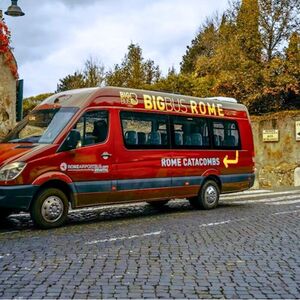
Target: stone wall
{"x": 276, "y": 161}
{"x": 7, "y": 98}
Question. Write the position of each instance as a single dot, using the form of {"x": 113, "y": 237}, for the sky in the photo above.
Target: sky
{"x": 55, "y": 37}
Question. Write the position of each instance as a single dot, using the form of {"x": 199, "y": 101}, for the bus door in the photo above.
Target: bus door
{"x": 90, "y": 165}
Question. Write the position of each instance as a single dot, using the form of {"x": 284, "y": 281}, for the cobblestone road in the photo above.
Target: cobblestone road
{"x": 246, "y": 248}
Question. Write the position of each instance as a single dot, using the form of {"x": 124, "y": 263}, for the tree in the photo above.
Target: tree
{"x": 230, "y": 70}
{"x": 281, "y": 81}
{"x": 278, "y": 19}
{"x": 293, "y": 55}
{"x": 74, "y": 81}
{"x": 92, "y": 75}
{"x": 134, "y": 71}
{"x": 293, "y": 71}
{"x": 202, "y": 45}
{"x": 175, "y": 83}
{"x": 228, "y": 53}
{"x": 248, "y": 30}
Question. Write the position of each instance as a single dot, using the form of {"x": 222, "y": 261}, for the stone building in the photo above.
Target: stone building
{"x": 7, "y": 93}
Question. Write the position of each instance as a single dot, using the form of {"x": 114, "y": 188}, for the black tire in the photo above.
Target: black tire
{"x": 158, "y": 204}
{"x": 208, "y": 197}
{"x": 50, "y": 208}
{"x": 5, "y": 212}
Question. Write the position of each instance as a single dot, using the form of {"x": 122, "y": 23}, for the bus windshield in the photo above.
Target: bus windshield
{"x": 41, "y": 126}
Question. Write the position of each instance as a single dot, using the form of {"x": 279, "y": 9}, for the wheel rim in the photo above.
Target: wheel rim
{"x": 52, "y": 209}
{"x": 211, "y": 194}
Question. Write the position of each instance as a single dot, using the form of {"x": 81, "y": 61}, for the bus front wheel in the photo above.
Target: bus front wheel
{"x": 50, "y": 208}
{"x": 208, "y": 197}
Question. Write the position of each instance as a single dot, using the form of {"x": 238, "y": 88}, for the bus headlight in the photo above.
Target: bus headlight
{"x": 11, "y": 171}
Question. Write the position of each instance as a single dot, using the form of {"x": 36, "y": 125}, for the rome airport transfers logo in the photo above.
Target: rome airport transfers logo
{"x": 63, "y": 167}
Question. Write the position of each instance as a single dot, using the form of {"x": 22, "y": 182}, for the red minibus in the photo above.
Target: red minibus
{"x": 99, "y": 146}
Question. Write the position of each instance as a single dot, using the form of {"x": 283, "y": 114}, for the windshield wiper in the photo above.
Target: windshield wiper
{"x": 31, "y": 139}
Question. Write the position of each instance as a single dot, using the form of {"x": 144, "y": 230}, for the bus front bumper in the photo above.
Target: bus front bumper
{"x": 17, "y": 197}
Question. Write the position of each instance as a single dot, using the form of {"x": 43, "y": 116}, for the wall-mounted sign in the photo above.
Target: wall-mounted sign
{"x": 297, "y": 130}
{"x": 270, "y": 135}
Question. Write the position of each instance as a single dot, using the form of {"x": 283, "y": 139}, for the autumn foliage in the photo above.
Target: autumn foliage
{"x": 5, "y": 49}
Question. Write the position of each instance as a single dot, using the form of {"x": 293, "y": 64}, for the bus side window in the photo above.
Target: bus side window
{"x": 142, "y": 138}
{"x": 190, "y": 133}
{"x": 225, "y": 134}
{"x": 93, "y": 127}
{"x": 144, "y": 130}
{"x": 100, "y": 130}
{"x": 131, "y": 137}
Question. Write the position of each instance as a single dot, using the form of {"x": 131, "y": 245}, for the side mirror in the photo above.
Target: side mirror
{"x": 71, "y": 141}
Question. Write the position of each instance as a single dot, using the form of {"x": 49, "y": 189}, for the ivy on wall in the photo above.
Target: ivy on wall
{"x": 9, "y": 59}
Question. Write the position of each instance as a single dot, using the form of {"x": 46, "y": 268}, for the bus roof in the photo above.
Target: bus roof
{"x": 111, "y": 96}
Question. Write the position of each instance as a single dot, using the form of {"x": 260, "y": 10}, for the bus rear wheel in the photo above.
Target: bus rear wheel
{"x": 50, "y": 208}
{"x": 208, "y": 197}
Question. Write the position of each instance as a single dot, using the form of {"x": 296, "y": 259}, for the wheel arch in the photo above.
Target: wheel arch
{"x": 215, "y": 178}
{"x": 66, "y": 188}
{"x": 213, "y": 174}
